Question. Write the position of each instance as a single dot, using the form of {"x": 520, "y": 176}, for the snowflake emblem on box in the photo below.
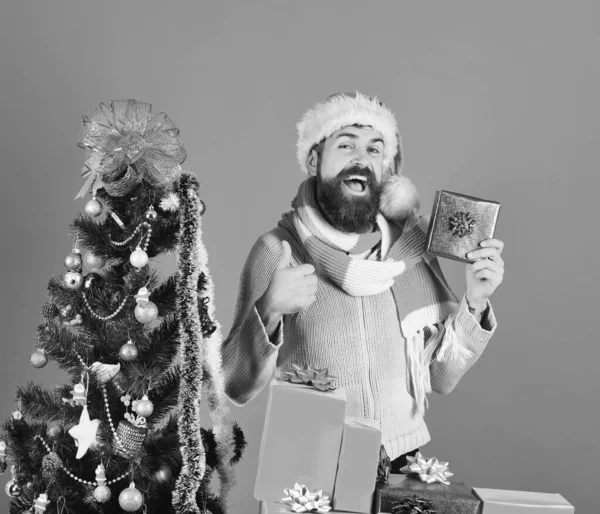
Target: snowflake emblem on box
{"x": 461, "y": 223}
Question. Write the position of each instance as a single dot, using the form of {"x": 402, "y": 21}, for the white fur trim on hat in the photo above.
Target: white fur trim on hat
{"x": 343, "y": 110}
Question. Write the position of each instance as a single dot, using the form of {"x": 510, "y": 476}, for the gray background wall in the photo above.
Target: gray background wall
{"x": 497, "y": 100}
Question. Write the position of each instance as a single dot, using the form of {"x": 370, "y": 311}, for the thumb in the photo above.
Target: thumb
{"x": 284, "y": 262}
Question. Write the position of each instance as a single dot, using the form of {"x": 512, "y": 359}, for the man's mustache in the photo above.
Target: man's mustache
{"x": 357, "y": 170}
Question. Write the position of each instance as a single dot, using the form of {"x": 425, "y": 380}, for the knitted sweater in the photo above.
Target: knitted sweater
{"x": 358, "y": 338}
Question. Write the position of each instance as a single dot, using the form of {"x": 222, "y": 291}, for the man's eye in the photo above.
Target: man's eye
{"x": 374, "y": 150}
{"x": 345, "y": 145}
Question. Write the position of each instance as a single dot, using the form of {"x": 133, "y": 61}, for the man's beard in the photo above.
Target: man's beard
{"x": 345, "y": 212}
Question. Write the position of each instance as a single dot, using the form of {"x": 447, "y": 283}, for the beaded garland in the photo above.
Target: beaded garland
{"x": 103, "y": 318}
{"x": 76, "y": 478}
{"x": 110, "y": 422}
{"x": 132, "y": 236}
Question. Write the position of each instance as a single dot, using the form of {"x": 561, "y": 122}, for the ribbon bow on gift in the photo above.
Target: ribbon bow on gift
{"x": 429, "y": 470}
{"x": 317, "y": 378}
{"x": 124, "y": 135}
{"x": 303, "y": 500}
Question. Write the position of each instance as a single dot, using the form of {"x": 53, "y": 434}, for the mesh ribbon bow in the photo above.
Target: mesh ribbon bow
{"x": 317, "y": 378}
{"x": 429, "y": 470}
{"x": 303, "y": 500}
{"x": 123, "y": 135}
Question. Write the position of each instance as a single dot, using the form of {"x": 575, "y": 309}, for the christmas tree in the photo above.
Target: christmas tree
{"x": 125, "y": 433}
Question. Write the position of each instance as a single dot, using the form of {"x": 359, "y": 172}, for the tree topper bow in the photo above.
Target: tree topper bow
{"x": 123, "y": 134}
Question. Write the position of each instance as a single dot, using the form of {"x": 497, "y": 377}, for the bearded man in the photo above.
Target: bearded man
{"x": 343, "y": 282}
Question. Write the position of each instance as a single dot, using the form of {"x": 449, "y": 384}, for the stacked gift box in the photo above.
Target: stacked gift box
{"x": 314, "y": 458}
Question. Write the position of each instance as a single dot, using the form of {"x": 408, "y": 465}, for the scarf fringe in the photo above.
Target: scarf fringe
{"x": 451, "y": 348}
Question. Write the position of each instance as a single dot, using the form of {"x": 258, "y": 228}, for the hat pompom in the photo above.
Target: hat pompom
{"x": 399, "y": 198}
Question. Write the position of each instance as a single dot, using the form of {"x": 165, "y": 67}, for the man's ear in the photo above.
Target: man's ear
{"x": 311, "y": 162}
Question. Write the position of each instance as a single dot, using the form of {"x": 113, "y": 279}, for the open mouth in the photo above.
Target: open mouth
{"x": 356, "y": 184}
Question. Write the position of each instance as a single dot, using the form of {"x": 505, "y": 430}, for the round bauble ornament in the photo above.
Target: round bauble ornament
{"x": 139, "y": 258}
{"x": 202, "y": 207}
{"x": 15, "y": 490}
{"x": 130, "y": 499}
{"x": 164, "y": 474}
{"x": 102, "y": 494}
{"x": 128, "y": 351}
{"x": 146, "y": 312}
{"x": 143, "y": 407}
{"x": 38, "y": 358}
{"x": 73, "y": 261}
{"x": 151, "y": 214}
{"x": 54, "y": 431}
{"x": 29, "y": 485}
{"x": 92, "y": 281}
{"x": 94, "y": 207}
{"x": 73, "y": 279}
{"x": 93, "y": 261}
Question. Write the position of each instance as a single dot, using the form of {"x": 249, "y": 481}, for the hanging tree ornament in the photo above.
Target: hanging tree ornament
{"x": 145, "y": 311}
{"x": 94, "y": 207}
{"x": 84, "y": 433}
{"x": 128, "y": 352}
{"x": 39, "y": 358}
{"x": 110, "y": 374}
{"x": 164, "y": 474}
{"x": 151, "y": 215}
{"x": 49, "y": 311}
{"x": 92, "y": 261}
{"x": 12, "y": 489}
{"x": 3, "y": 464}
{"x": 102, "y": 493}
{"x": 92, "y": 281}
{"x": 73, "y": 278}
{"x": 41, "y": 503}
{"x": 143, "y": 407}
{"x": 79, "y": 394}
{"x": 131, "y": 499}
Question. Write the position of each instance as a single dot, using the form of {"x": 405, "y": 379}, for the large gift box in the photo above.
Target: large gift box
{"x": 498, "y": 501}
{"x": 459, "y": 223}
{"x": 301, "y": 440}
{"x": 455, "y": 498}
{"x": 357, "y": 466}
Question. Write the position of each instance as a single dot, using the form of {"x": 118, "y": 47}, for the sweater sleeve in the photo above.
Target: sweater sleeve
{"x": 462, "y": 343}
{"x": 249, "y": 357}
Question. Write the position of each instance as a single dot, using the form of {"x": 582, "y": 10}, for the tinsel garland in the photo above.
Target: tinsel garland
{"x": 191, "y": 355}
{"x": 196, "y": 351}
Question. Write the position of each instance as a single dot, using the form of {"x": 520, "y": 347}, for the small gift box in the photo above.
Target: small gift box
{"x": 459, "y": 223}
{"x": 455, "y": 498}
{"x": 498, "y": 501}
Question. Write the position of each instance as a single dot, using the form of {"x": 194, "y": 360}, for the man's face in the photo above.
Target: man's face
{"x": 349, "y": 175}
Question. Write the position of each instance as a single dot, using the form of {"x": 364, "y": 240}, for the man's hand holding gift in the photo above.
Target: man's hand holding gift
{"x": 484, "y": 275}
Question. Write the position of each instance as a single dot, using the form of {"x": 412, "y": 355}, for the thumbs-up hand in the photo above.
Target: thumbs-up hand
{"x": 291, "y": 289}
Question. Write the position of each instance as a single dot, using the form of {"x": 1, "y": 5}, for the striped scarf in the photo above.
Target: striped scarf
{"x": 368, "y": 264}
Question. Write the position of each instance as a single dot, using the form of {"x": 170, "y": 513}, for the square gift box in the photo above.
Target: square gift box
{"x": 498, "y": 501}
{"x": 459, "y": 223}
{"x": 301, "y": 440}
{"x": 455, "y": 498}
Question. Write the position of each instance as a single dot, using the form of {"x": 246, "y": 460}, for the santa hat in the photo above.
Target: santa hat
{"x": 343, "y": 110}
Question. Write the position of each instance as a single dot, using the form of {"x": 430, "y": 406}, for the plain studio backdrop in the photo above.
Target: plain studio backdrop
{"x": 496, "y": 100}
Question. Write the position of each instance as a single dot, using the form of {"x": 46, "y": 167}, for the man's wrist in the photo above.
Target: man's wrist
{"x": 476, "y": 307}
{"x": 269, "y": 317}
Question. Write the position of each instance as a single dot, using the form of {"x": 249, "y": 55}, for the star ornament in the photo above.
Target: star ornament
{"x": 429, "y": 470}
{"x": 84, "y": 433}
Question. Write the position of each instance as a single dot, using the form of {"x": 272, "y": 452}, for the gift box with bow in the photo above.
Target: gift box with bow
{"x": 459, "y": 223}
